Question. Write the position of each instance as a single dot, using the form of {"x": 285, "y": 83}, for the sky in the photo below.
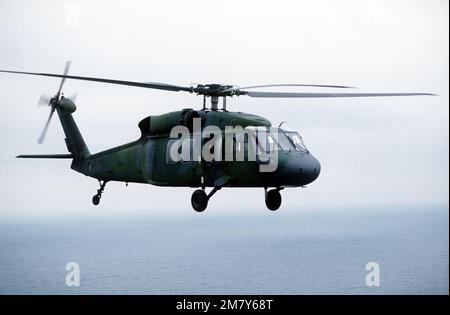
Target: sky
{"x": 377, "y": 152}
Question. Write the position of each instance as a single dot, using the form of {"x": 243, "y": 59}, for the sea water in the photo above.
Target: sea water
{"x": 310, "y": 252}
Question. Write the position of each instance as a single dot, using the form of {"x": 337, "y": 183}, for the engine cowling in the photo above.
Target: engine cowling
{"x": 163, "y": 124}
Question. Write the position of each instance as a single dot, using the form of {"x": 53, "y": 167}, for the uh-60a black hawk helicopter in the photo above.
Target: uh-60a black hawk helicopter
{"x": 149, "y": 159}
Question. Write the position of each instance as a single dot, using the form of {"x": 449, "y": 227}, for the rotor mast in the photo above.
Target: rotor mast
{"x": 215, "y": 103}
{"x": 215, "y": 92}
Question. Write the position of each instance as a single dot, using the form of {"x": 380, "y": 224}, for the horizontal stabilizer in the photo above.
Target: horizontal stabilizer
{"x": 45, "y": 156}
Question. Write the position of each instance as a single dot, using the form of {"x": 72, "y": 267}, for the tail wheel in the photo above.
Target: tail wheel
{"x": 199, "y": 200}
{"x": 273, "y": 199}
{"x": 96, "y": 200}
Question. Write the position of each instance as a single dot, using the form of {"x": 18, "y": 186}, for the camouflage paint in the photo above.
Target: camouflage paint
{"x": 145, "y": 160}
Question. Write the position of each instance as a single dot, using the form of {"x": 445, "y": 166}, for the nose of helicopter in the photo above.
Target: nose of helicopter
{"x": 311, "y": 168}
{"x": 300, "y": 170}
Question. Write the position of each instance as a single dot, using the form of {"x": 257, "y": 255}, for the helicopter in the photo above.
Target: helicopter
{"x": 160, "y": 159}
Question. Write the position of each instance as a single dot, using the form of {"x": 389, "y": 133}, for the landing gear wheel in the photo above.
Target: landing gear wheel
{"x": 273, "y": 199}
{"x": 96, "y": 197}
{"x": 199, "y": 200}
{"x": 96, "y": 200}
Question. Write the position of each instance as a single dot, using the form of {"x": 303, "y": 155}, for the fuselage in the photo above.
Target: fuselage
{"x": 149, "y": 160}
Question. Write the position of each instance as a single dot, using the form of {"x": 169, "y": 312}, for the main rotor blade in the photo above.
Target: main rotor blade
{"x": 66, "y": 70}
{"x": 320, "y": 95}
{"x": 303, "y": 85}
{"x": 148, "y": 85}
{"x": 44, "y": 132}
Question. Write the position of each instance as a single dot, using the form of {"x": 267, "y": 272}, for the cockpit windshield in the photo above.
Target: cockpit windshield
{"x": 268, "y": 139}
{"x": 282, "y": 140}
{"x": 296, "y": 140}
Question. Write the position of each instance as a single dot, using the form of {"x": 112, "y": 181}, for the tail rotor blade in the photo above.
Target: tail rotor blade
{"x": 66, "y": 70}
{"x": 44, "y": 100}
{"x": 44, "y": 132}
{"x": 52, "y": 102}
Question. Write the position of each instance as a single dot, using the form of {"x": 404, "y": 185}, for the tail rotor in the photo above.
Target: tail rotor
{"x": 53, "y": 102}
